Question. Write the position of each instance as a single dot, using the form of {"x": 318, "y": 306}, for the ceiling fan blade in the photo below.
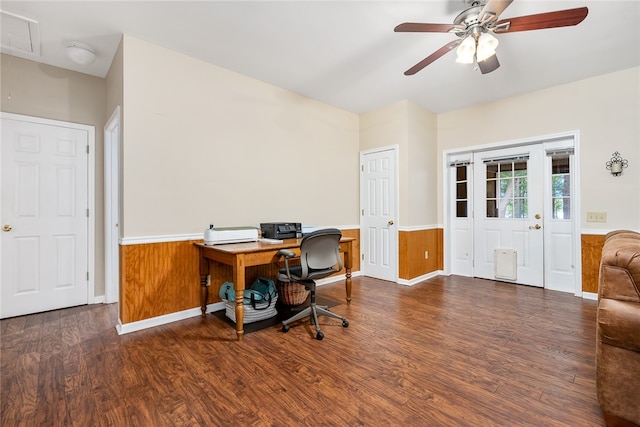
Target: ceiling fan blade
{"x": 559, "y": 18}
{"x": 418, "y": 27}
{"x": 488, "y": 65}
{"x": 492, "y": 10}
{"x": 431, "y": 58}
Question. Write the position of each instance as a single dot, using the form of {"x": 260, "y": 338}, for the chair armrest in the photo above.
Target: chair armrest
{"x": 286, "y": 253}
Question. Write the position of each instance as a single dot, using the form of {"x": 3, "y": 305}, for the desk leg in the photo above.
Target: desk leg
{"x": 347, "y": 285}
{"x": 238, "y": 284}
{"x": 204, "y": 289}
{"x": 348, "y": 264}
{"x": 204, "y": 295}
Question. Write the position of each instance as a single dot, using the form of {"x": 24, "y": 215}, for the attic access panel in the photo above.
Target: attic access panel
{"x": 19, "y": 34}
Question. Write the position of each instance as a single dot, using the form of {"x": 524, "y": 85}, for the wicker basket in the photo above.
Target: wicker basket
{"x": 292, "y": 293}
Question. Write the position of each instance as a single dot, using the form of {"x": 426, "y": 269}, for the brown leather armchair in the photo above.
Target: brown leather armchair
{"x": 618, "y": 329}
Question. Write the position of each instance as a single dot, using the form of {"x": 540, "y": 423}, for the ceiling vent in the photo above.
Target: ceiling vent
{"x": 19, "y": 34}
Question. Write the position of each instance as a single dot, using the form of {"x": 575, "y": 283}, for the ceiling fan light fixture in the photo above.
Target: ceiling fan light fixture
{"x": 80, "y": 53}
{"x": 466, "y": 50}
{"x": 487, "y": 44}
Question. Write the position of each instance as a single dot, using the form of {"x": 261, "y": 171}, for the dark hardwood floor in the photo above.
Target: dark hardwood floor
{"x": 451, "y": 351}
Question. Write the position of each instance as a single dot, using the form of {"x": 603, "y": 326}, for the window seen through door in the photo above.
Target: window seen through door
{"x": 506, "y": 195}
{"x": 560, "y": 187}
{"x": 461, "y": 192}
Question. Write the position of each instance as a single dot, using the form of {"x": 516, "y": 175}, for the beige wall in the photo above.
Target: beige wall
{"x": 605, "y": 110}
{"x": 44, "y": 91}
{"x": 413, "y": 130}
{"x": 114, "y": 84}
{"x": 203, "y": 144}
{"x": 422, "y": 165}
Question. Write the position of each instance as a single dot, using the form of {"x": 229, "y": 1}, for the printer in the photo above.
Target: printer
{"x": 281, "y": 230}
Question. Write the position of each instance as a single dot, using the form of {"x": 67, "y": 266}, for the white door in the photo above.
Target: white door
{"x": 45, "y": 203}
{"x": 378, "y": 212}
{"x": 461, "y": 214}
{"x": 560, "y": 225}
{"x": 508, "y": 209}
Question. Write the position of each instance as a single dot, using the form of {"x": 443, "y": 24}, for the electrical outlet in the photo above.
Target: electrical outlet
{"x": 596, "y": 217}
{"x": 426, "y": 254}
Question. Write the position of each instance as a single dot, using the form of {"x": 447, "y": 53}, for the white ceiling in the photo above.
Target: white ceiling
{"x": 345, "y": 53}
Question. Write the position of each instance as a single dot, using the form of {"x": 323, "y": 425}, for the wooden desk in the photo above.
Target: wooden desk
{"x": 242, "y": 255}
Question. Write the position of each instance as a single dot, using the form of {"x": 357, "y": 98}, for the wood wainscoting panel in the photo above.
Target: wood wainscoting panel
{"x": 163, "y": 278}
{"x": 158, "y": 279}
{"x": 412, "y": 247}
{"x": 591, "y": 254}
{"x": 355, "y": 233}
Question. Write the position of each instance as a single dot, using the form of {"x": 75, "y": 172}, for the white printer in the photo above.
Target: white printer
{"x": 220, "y": 235}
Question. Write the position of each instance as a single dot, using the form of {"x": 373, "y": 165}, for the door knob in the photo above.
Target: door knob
{"x": 6, "y": 227}
{"x": 390, "y": 222}
{"x": 536, "y": 227}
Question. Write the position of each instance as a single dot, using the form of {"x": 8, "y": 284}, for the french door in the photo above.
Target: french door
{"x": 512, "y": 214}
{"x": 508, "y": 209}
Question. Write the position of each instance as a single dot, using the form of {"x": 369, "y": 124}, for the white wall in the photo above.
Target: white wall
{"x": 606, "y": 112}
{"x": 203, "y": 144}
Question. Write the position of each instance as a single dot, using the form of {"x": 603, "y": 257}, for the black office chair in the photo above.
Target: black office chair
{"x": 319, "y": 258}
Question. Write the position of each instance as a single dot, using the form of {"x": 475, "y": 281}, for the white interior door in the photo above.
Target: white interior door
{"x": 378, "y": 230}
{"x": 45, "y": 217}
{"x": 508, "y": 209}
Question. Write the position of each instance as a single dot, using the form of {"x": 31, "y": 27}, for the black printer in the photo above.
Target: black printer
{"x": 281, "y": 230}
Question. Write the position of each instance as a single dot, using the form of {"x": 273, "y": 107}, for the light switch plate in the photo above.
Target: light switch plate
{"x": 596, "y": 217}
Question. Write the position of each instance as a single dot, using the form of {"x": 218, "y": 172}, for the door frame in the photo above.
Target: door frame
{"x": 112, "y": 147}
{"x": 91, "y": 187}
{"x": 396, "y": 201}
{"x": 448, "y": 186}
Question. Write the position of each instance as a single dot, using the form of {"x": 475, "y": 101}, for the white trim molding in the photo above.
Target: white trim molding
{"x": 166, "y": 318}
{"x": 140, "y": 240}
{"x": 160, "y": 239}
{"x": 419, "y": 279}
{"x": 419, "y": 227}
{"x": 590, "y": 295}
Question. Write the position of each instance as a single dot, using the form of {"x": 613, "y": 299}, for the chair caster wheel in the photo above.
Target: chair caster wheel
{"x": 345, "y": 323}
{"x": 319, "y": 336}
{"x": 285, "y": 328}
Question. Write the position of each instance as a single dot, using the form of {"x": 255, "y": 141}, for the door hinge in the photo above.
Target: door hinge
{"x": 361, "y": 168}
{"x": 87, "y": 276}
{"x": 87, "y": 149}
{"x": 362, "y": 212}
{"x": 362, "y": 257}
{"x": 87, "y": 213}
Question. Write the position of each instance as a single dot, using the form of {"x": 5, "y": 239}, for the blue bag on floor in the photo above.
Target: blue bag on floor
{"x": 260, "y": 295}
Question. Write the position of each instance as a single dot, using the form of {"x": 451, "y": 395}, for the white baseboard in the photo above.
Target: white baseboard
{"x": 590, "y": 295}
{"x": 334, "y": 279}
{"x": 99, "y": 299}
{"x": 164, "y": 319}
{"x": 419, "y": 279}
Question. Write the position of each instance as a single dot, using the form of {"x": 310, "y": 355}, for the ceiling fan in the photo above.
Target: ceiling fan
{"x": 475, "y": 27}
